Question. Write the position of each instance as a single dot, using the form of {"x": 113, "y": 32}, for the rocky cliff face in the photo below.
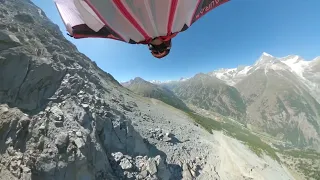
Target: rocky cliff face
{"x": 62, "y": 117}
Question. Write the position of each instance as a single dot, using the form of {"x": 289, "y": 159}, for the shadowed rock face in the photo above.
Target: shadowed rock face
{"x": 61, "y": 116}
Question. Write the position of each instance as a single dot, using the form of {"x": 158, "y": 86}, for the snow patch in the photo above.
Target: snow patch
{"x": 160, "y": 82}
{"x": 184, "y": 79}
{"x": 293, "y": 60}
{"x": 244, "y": 71}
{"x": 266, "y": 54}
{"x": 219, "y": 75}
{"x": 278, "y": 67}
{"x": 168, "y": 81}
{"x": 264, "y": 59}
{"x": 296, "y": 65}
{"x": 266, "y": 70}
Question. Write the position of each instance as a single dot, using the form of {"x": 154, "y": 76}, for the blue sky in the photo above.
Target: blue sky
{"x": 235, "y": 33}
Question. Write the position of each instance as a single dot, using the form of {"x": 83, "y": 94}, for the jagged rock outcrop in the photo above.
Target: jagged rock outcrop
{"x": 61, "y": 116}
{"x": 37, "y": 147}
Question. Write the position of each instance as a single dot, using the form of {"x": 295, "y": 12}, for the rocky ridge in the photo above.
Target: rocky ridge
{"x": 61, "y": 116}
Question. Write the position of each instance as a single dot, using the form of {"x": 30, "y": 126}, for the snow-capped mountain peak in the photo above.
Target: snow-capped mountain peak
{"x": 230, "y": 75}
{"x": 266, "y": 54}
{"x": 264, "y": 59}
{"x": 296, "y": 64}
{"x": 267, "y": 62}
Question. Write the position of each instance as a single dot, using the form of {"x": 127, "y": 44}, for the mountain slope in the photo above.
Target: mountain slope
{"x": 279, "y": 102}
{"x": 147, "y": 89}
{"x": 211, "y": 94}
{"x": 311, "y": 74}
{"x": 281, "y": 96}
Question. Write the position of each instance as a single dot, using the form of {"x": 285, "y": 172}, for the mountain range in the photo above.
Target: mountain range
{"x": 274, "y": 96}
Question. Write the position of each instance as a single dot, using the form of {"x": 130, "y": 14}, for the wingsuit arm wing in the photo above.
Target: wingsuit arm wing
{"x": 134, "y": 21}
{"x": 205, "y": 6}
{"x": 81, "y": 21}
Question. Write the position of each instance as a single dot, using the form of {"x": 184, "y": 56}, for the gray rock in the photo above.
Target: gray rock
{"x": 56, "y": 113}
{"x": 24, "y": 17}
{"x": 79, "y": 143}
{"x": 4, "y": 109}
{"x": 186, "y": 173}
{"x": 162, "y": 170}
{"x": 8, "y": 40}
{"x": 26, "y": 176}
{"x": 79, "y": 133}
{"x": 26, "y": 169}
{"x": 42, "y": 127}
{"x": 143, "y": 174}
{"x": 167, "y": 139}
{"x": 82, "y": 117}
{"x": 117, "y": 156}
{"x": 58, "y": 123}
{"x": 151, "y": 166}
{"x": 62, "y": 141}
{"x": 125, "y": 164}
{"x": 30, "y": 74}
{"x": 129, "y": 175}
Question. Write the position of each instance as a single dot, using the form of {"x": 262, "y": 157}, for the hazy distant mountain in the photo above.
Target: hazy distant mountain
{"x": 210, "y": 93}
{"x": 147, "y": 89}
